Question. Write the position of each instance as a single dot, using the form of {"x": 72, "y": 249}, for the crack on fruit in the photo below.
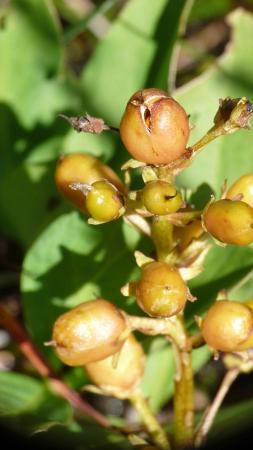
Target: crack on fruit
{"x": 147, "y": 118}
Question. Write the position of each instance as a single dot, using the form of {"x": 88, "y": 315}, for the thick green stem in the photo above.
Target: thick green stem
{"x": 183, "y": 399}
{"x": 206, "y": 139}
{"x": 149, "y": 420}
{"x": 162, "y": 235}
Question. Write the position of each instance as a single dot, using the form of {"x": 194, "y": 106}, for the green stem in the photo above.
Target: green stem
{"x": 149, "y": 420}
{"x": 183, "y": 399}
{"x": 162, "y": 235}
{"x": 212, "y": 134}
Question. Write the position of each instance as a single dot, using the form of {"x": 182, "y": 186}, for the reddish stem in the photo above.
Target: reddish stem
{"x": 33, "y": 354}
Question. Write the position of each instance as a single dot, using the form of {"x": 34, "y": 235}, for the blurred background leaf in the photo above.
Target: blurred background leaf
{"x": 30, "y": 404}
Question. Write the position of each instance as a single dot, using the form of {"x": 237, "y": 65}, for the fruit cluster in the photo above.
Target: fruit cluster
{"x": 96, "y": 334}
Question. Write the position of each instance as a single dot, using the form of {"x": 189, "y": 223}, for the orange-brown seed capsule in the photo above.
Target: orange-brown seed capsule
{"x": 227, "y": 325}
{"x": 161, "y": 291}
{"x": 122, "y": 376}
{"x": 89, "y": 332}
{"x": 154, "y": 127}
{"x": 244, "y": 186}
{"x": 82, "y": 168}
{"x": 230, "y": 222}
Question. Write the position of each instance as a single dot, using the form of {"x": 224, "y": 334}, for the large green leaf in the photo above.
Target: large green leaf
{"x": 33, "y": 89}
{"x": 72, "y": 262}
{"x": 135, "y": 53}
{"x": 31, "y": 58}
{"x": 224, "y": 268}
{"x": 85, "y": 436}
{"x": 229, "y": 156}
{"x": 30, "y": 403}
{"x": 19, "y": 393}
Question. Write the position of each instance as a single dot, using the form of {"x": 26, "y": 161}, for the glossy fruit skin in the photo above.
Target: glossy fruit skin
{"x": 154, "y": 127}
{"x": 161, "y": 291}
{"x": 89, "y": 332}
{"x": 103, "y": 201}
{"x": 185, "y": 235}
{"x": 227, "y": 326}
{"x": 230, "y": 222}
{"x": 248, "y": 343}
{"x": 123, "y": 377}
{"x": 161, "y": 198}
{"x": 244, "y": 185}
{"x": 82, "y": 168}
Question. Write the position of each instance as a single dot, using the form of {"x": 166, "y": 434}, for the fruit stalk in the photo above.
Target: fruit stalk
{"x": 183, "y": 398}
{"x": 169, "y": 327}
{"x": 149, "y": 420}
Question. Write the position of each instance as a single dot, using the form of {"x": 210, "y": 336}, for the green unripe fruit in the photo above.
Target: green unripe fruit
{"x": 161, "y": 291}
{"x": 103, "y": 201}
{"x": 119, "y": 377}
{"x": 244, "y": 186}
{"x": 227, "y": 326}
{"x": 230, "y": 222}
{"x": 89, "y": 332}
{"x": 154, "y": 127}
{"x": 82, "y": 168}
{"x": 160, "y": 198}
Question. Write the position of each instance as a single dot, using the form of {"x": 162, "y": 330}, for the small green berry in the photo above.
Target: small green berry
{"x": 160, "y": 198}
{"x": 104, "y": 201}
{"x": 82, "y": 168}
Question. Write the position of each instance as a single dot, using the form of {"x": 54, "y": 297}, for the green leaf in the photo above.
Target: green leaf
{"x": 28, "y": 405}
{"x": 231, "y": 420}
{"x": 31, "y": 135}
{"x": 30, "y": 39}
{"x": 28, "y": 200}
{"x": 88, "y": 436}
{"x": 203, "y": 10}
{"x": 72, "y": 262}
{"x": 229, "y": 156}
{"x": 224, "y": 268}
{"x": 117, "y": 70}
{"x": 19, "y": 394}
